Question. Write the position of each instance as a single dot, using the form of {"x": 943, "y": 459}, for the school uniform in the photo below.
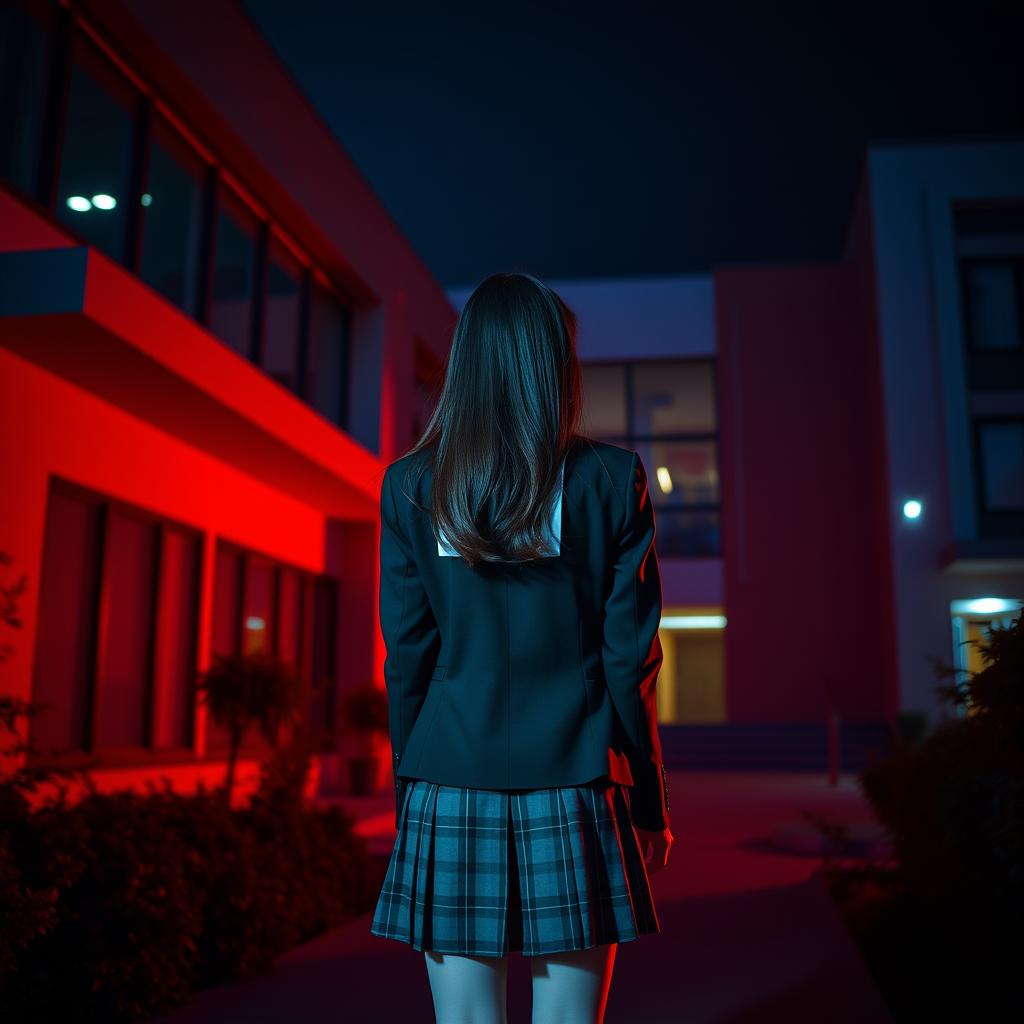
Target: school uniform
{"x": 523, "y": 721}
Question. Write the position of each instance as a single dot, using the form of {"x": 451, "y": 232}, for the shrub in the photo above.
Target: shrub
{"x": 954, "y": 806}
{"x": 117, "y": 907}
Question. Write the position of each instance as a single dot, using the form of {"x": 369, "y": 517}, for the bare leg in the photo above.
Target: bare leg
{"x": 572, "y": 988}
{"x": 468, "y": 989}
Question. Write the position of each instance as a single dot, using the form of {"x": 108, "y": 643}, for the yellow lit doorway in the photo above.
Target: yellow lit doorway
{"x": 691, "y": 686}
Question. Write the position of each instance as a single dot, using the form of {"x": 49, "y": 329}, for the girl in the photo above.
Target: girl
{"x": 520, "y": 599}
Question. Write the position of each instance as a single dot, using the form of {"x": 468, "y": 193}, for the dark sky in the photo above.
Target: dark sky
{"x": 579, "y": 140}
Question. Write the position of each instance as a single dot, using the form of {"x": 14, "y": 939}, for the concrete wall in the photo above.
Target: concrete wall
{"x": 919, "y": 322}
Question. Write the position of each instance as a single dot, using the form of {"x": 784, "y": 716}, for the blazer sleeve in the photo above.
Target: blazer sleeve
{"x": 632, "y": 652}
{"x": 412, "y": 639}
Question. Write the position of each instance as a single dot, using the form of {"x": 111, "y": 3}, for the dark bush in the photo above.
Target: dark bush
{"x": 954, "y": 806}
{"x": 117, "y": 907}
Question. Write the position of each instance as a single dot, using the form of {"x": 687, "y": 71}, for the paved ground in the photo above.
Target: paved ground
{"x": 749, "y": 935}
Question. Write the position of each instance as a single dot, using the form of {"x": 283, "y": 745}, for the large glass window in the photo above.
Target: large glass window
{"x": 258, "y": 610}
{"x": 327, "y": 373}
{"x": 990, "y": 247}
{"x": 126, "y": 632}
{"x": 666, "y": 411}
{"x": 1001, "y": 445}
{"x": 162, "y": 212}
{"x": 281, "y": 328}
{"x": 95, "y": 166}
{"x": 289, "y": 604}
{"x": 325, "y": 629}
{"x": 172, "y": 205}
{"x": 66, "y": 632}
{"x": 25, "y": 55}
{"x": 264, "y": 606}
{"x": 234, "y": 273}
{"x": 175, "y": 661}
{"x": 993, "y": 304}
{"x": 117, "y": 633}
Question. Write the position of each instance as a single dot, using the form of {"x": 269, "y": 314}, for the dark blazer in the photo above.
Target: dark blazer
{"x": 532, "y": 675}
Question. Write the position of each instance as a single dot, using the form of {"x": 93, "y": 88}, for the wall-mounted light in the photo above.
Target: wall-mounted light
{"x": 79, "y": 204}
{"x": 693, "y": 622}
{"x": 912, "y": 509}
{"x": 984, "y": 606}
{"x": 102, "y": 201}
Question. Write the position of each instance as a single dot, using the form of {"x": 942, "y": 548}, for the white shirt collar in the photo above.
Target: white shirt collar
{"x": 556, "y": 523}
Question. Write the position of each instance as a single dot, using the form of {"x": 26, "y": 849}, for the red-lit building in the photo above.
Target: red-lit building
{"x": 213, "y": 338}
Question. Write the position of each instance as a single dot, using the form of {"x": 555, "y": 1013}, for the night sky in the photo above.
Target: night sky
{"x": 579, "y": 140}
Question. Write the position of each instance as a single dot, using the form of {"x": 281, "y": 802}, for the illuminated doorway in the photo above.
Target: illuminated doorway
{"x": 972, "y": 619}
{"x": 691, "y": 686}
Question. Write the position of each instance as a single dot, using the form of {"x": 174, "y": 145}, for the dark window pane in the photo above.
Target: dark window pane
{"x": 92, "y": 193}
{"x": 25, "y": 33}
{"x": 258, "y": 610}
{"x": 176, "y": 640}
{"x": 992, "y": 300}
{"x": 328, "y": 356}
{"x": 234, "y": 274}
{"x": 673, "y": 398}
{"x": 604, "y": 400}
{"x": 67, "y": 620}
{"x": 227, "y": 596}
{"x": 325, "y": 632}
{"x": 681, "y": 472}
{"x": 682, "y": 533}
{"x": 124, "y": 672}
{"x": 173, "y": 206}
{"x": 290, "y": 618}
{"x": 281, "y": 339}
{"x": 1002, "y": 464}
{"x": 227, "y": 592}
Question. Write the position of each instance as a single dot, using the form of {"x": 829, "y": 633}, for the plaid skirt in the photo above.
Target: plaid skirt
{"x": 481, "y": 872}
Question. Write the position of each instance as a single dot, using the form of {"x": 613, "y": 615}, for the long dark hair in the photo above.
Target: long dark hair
{"x": 506, "y": 418}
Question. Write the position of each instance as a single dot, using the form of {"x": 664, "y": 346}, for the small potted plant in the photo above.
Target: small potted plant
{"x": 242, "y": 689}
{"x": 363, "y": 713}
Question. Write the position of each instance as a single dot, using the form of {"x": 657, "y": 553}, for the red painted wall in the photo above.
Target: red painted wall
{"x": 803, "y": 542}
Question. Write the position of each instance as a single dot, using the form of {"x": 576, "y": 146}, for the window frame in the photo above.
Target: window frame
{"x": 992, "y": 522}
{"x": 308, "y": 582}
{"x": 966, "y": 264}
{"x": 71, "y": 29}
{"x": 632, "y": 439}
{"x": 99, "y": 614}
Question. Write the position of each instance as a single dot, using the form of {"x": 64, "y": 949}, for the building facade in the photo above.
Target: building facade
{"x": 836, "y": 455}
{"x": 212, "y": 338}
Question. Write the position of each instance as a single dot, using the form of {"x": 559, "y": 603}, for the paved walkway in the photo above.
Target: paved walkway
{"x": 749, "y": 935}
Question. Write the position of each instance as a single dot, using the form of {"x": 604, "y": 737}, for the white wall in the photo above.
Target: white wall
{"x": 912, "y": 188}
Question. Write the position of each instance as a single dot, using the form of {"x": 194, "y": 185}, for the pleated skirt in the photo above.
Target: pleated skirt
{"x": 481, "y": 872}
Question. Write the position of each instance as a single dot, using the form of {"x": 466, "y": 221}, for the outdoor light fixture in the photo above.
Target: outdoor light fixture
{"x": 985, "y": 606}
{"x": 79, "y": 204}
{"x": 103, "y": 202}
{"x": 912, "y": 509}
{"x": 692, "y": 622}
